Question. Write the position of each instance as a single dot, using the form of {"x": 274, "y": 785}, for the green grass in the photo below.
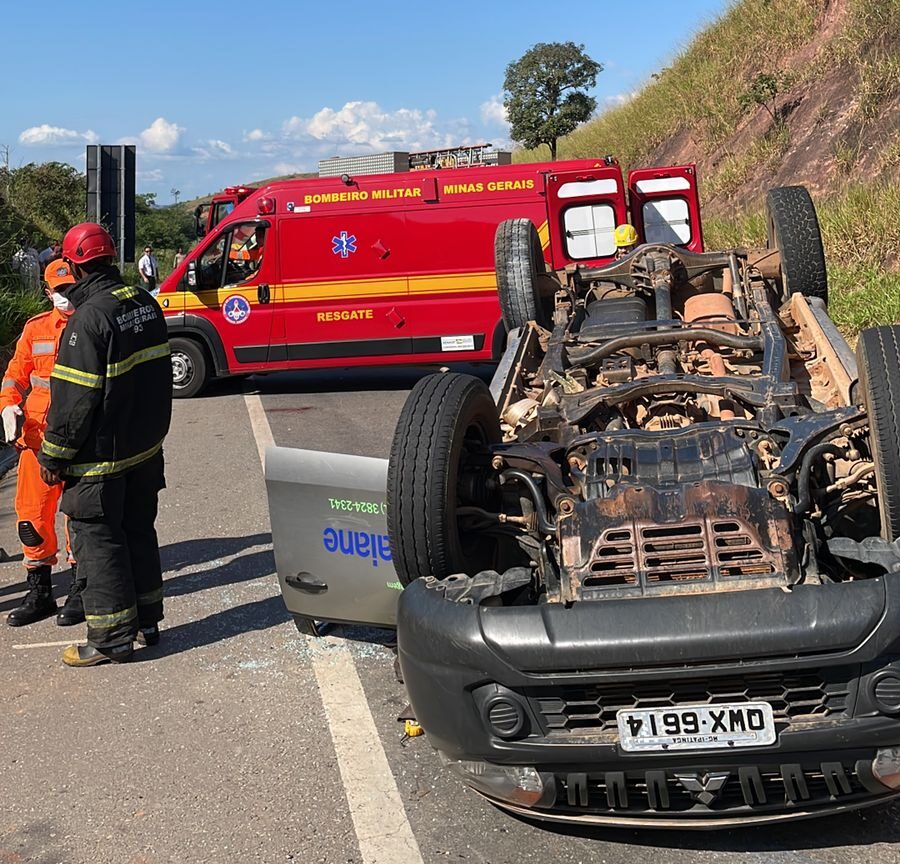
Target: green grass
{"x": 17, "y": 305}
{"x": 697, "y": 95}
{"x": 861, "y": 235}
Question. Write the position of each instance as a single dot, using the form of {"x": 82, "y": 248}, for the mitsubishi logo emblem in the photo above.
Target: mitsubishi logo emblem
{"x": 704, "y": 788}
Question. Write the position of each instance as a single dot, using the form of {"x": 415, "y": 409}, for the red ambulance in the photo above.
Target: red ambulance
{"x": 395, "y": 268}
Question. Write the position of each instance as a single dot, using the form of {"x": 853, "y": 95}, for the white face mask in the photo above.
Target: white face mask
{"x": 61, "y": 302}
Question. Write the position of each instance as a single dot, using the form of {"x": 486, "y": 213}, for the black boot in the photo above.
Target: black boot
{"x": 72, "y": 611}
{"x": 38, "y": 603}
{"x": 148, "y": 636}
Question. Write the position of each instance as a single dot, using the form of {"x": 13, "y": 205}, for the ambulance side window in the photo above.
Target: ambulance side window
{"x": 245, "y": 253}
{"x": 209, "y": 269}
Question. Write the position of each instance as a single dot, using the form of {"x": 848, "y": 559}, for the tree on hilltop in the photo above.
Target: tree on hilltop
{"x": 544, "y": 93}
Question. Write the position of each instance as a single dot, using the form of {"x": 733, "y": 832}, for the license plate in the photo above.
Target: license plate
{"x": 697, "y": 727}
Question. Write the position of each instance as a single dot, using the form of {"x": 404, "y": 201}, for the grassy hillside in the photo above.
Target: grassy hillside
{"x": 836, "y": 129}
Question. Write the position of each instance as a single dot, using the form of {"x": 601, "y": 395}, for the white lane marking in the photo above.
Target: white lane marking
{"x": 259, "y": 423}
{"x": 50, "y": 644}
{"x": 379, "y": 817}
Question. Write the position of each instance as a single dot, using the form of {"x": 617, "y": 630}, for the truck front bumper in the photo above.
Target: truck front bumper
{"x": 521, "y": 701}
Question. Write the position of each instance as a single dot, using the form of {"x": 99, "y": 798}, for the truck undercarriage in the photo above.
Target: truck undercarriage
{"x": 650, "y": 573}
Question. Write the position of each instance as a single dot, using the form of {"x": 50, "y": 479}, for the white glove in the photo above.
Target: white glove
{"x": 12, "y": 415}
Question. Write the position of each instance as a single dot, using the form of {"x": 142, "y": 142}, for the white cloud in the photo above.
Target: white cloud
{"x": 154, "y": 175}
{"x": 291, "y": 168}
{"x": 161, "y": 136}
{"x": 257, "y": 135}
{"x": 366, "y": 126}
{"x": 214, "y": 148}
{"x": 46, "y": 135}
{"x": 619, "y": 99}
{"x": 493, "y": 111}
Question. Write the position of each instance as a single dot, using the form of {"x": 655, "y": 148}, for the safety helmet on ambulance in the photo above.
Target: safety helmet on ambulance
{"x": 87, "y": 241}
{"x": 625, "y": 235}
{"x": 58, "y": 273}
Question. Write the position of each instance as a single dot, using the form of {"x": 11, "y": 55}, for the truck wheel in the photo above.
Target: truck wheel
{"x": 189, "y": 368}
{"x": 878, "y": 358}
{"x": 439, "y": 459}
{"x": 521, "y": 275}
{"x": 792, "y": 228}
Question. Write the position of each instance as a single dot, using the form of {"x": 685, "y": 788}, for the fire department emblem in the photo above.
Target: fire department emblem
{"x": 344, "y": 244}
{"x": 236, "y": 309}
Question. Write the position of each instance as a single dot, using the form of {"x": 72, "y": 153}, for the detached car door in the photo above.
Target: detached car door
{"x": 329, "y": 533}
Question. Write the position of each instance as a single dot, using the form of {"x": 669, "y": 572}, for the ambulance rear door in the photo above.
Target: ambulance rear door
{"x": 584, "y": 206}
{"x": 665, "y": 206}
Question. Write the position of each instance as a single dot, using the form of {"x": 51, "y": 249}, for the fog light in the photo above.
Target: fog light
{"x": 886, "y": 766}
{"x": 521, "y": 785}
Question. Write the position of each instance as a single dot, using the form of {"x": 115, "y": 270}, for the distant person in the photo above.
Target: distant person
{"x": 149, "y": 270}
{"x": 626, "y": 239}
{"x": 51, "y": 253}
{"x": 24, "y": 419}
{"x": 179, "y": 258}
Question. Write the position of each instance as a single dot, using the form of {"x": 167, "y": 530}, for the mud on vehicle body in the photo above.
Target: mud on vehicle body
{"x": 651, "y": 573}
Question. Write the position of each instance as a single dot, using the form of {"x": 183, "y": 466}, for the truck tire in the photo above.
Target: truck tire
{"x": 443, "y": 429}
{"x": 878, "y": 358}
{"x": 519, "y": 264}
{"x": 792, "y": 228}
{"x": 189, "y": 367}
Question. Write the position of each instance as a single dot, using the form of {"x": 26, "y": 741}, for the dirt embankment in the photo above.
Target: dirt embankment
{"x": 837, "y": 118}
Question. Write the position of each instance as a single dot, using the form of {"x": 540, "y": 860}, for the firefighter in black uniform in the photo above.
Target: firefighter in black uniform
{"x": 111, "y": 402}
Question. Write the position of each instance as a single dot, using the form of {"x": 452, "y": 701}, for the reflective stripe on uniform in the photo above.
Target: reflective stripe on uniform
{"x": 125, "y": 293}
{"x": 98, "y": 469}
{"x": 150, "y": 597}
{"x": 153, "y": 353}
{"x": 77, "y": 376}
{"x": 37, "y": 381}
{"x": 43, "y": 347}
{"x": 54, "y": 451}
{"x": 11, "y": 382}
{"x": 113, "y": 619}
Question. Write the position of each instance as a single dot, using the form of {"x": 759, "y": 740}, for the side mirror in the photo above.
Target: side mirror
{"x": 192, "y": 274}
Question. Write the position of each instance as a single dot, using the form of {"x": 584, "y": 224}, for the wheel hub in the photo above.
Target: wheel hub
{"x": 182, "y": 369}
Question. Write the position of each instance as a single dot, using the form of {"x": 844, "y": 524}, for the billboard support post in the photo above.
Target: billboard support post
{"x": 110, "y": 193}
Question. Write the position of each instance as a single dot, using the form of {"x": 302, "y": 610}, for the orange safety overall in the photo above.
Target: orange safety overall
{"x": 26, "y": 383}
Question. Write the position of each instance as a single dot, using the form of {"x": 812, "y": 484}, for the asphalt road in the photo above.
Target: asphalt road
{"x": 218, "y": 746}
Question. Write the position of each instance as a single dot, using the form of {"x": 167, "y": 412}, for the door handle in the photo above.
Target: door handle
{"x": 307, "y": 582}
{"x": 262, "y": 293}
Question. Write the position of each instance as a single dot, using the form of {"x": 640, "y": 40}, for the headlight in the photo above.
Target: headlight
{"x": 886, "y": 766}
{"x": 521, "y": 785}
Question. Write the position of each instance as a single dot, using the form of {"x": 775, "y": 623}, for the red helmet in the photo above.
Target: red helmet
{"x": 87, "y": 241}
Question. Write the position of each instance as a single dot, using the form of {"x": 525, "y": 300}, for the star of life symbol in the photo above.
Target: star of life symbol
{"x": 344, "y": 244}
{"x": 704, "y": 788}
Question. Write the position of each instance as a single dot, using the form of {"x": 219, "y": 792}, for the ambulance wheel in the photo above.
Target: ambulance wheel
{"x": 525, "y": 290}
{"x": 189, "y": 368}
{"x": 440, "y": 460}
{"x": 792, "y": 228}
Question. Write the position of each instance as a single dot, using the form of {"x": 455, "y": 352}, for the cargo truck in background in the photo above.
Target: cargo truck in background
{"x": 396, "y": 268}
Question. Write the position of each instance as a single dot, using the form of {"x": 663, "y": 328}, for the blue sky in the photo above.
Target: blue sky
{"x": 233, "y": 92}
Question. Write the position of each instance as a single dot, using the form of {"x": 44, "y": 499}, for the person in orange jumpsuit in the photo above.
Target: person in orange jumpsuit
{"x": 24, "y": 404}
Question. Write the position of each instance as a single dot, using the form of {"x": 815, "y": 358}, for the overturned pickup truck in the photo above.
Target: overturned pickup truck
{"x": 652, "y": 573}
